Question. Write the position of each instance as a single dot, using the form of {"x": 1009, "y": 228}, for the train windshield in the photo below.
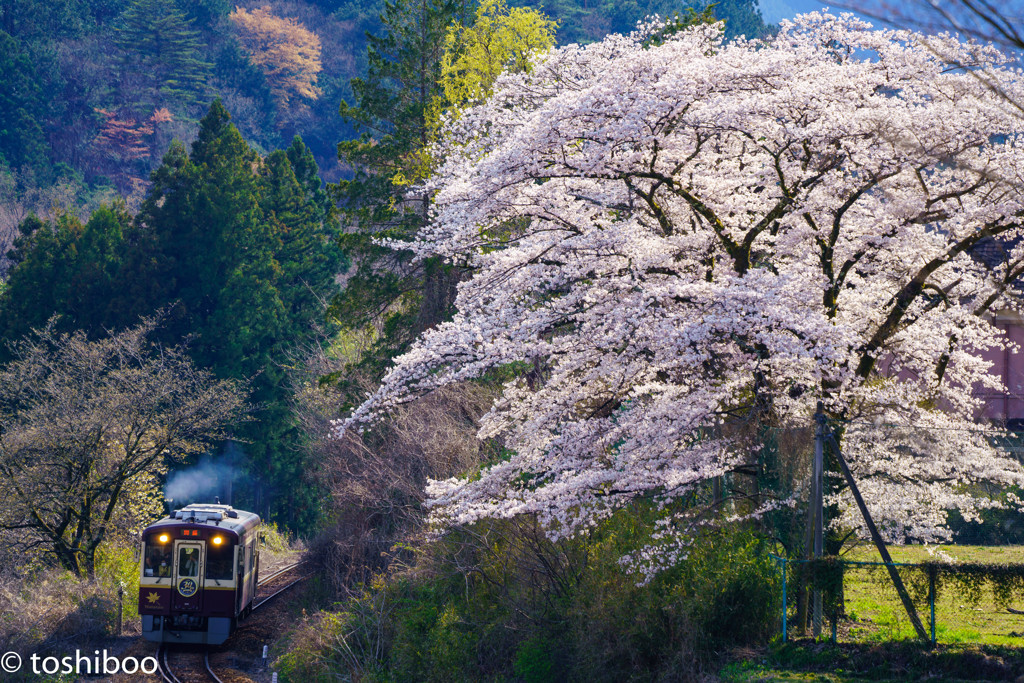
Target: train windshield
{"x": 158, "y": 557}
{"x": 220, "y": 555}
{"x": 188, "y": 561}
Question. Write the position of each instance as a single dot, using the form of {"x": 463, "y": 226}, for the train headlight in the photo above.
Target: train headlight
{"x": 217, "y": 540}
{"x": 164, "y": 538}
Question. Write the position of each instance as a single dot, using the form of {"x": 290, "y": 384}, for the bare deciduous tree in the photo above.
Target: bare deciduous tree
{"x": 983, "y": 20}
{"x": 377, "y": 479}
{"x": 84, "y": 425}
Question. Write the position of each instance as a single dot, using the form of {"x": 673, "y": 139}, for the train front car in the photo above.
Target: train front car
{"x": 199, "y": 574}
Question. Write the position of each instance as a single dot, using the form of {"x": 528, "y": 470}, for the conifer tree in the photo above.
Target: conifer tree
{"x": 163, "y": 59}
{"x": 241, "y": 252}
{"x": 392, "y": 108}
{"x": 303, "y": 217}
{"x": 22, "y": 141}
{"x": 211, "y": 252}
{"x": 66, "y": 268}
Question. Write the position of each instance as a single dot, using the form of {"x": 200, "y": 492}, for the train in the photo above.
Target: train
{"x": 199, "y": 572}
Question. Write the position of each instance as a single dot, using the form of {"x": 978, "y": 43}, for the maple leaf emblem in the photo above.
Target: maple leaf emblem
{"x": 153, "y": 597}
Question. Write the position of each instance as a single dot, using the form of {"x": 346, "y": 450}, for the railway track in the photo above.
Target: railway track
{"x": 165, "y": 669}
{"x": 275, "y": 586}
{"x": 267, "y": 579}
{"x": 187, "y": 667}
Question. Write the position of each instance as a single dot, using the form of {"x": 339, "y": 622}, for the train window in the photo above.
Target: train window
{"x": 188, "y": 561}
{"x": 219, "y": 558}
{"x": 158, "y": 557}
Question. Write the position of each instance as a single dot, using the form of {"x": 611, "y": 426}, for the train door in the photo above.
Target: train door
{"x": 239, "y": 578}
{"x": 188, "y": 570}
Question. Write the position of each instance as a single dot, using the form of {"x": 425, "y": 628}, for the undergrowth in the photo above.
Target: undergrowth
{"x": 498, "y": 601}
{"x": 50, "y": 610}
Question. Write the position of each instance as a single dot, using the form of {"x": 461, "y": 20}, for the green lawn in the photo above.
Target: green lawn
{"x": 978, "y": 639}
{"x": 807, "y": 661}
{"x": 876, "y": 613}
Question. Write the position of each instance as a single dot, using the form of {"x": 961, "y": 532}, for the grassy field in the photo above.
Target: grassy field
{"x": 875, "y": 613}
{"x": 978, "y": 638}
{"x": 860, "y": 662}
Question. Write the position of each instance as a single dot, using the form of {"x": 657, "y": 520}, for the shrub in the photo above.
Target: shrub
{"x": 498, "y": 601}
{"x": 120, "y": 567}
{"x": 52, "y": 610}
{"x": 274, "y": 540}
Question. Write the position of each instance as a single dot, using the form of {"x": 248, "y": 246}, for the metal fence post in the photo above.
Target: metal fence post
{"x": 784, "y": 600}
{"x": 120, "y": 607}
{"x": 931, "y": 598}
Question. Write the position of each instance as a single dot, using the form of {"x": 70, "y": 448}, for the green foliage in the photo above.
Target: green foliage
{"x": 241, "y": 250}
{"x": 533, "y": 661}
{"x": 741, "y": 17}
{"x": 724, "y": 594}
{"x": 75, "y": 58}
{"x": 162, "y": 49}
{"x": 34, "y": 19}
{"x": 22, "y": 110}
{"x": 999, "y": 525}
{"x": 391, "y": 110}
{"x": 499, "y": 39}
{"x": 273, "y": 539}
{"x": 119, "y": 567}
{"x": 500, "y": 602}
{"x": 391, "y": 106}
{"x": 67, "y": 268}
{"x": 238, "y": 72}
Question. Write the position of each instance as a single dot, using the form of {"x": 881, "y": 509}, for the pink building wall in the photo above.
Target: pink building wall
{"x": 1009, "y": 365}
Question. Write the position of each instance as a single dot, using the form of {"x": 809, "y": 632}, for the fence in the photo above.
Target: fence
{"x": 956, "y": 601}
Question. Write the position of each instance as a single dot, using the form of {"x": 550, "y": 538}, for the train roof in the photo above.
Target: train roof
{"x": 210, "y": 514}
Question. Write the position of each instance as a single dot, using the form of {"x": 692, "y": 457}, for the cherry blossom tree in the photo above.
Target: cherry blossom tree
{"x": 685, "y": 238}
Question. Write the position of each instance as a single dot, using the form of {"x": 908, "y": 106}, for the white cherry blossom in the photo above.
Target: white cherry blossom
{"x": 678, "y": 234}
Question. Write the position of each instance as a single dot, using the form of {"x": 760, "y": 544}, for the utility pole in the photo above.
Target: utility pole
{"x": 897, "y": 582}
{"x": 817, "y": 487}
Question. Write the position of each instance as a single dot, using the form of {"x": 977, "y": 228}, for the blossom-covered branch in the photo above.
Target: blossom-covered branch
{"x": 686, "y": 235}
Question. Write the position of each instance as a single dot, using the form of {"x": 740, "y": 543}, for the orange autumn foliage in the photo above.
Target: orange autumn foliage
{"x": 286, "y": 51}
{"x": 123, "y": 138}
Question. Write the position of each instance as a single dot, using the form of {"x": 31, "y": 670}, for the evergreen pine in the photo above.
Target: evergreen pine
{"x": 392, "y": 108}
{"x": 240, "y": 252}
{"x": 64, "y": 268}
{"x": 163, "y": 63}
{"x": 22, "y": 110}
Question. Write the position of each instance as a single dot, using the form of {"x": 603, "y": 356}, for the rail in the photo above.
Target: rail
{"x": 164, "y": 667}
{"x": 168, "y": 675}
{"x": 209, "y": 669}
{"x": 163, "y": 654}
{"x": 273, "y": 576}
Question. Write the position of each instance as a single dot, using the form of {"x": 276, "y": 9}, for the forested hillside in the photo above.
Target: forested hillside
{"x": 106, "y": 214}
{"x": 92, "y": 93}
{"x": 550, "y": 334}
